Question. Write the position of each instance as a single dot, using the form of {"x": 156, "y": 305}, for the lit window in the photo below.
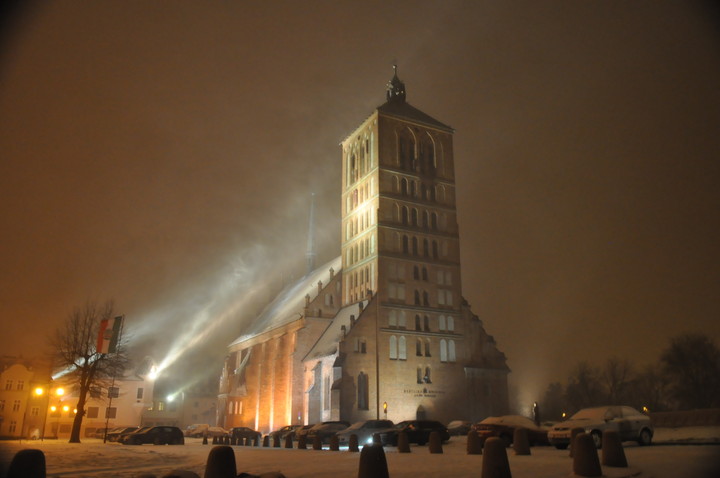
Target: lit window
{"x": 393, "y": 348}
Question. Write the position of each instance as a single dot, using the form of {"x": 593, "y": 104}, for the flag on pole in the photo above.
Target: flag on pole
{"x": 108, "y": 335}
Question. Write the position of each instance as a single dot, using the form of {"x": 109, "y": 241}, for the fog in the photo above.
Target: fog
{"x": 163, "y": 155}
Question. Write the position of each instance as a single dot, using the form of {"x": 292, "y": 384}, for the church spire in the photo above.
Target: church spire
{"x": 395, "y": 88}
{"x": 311, "y": 253}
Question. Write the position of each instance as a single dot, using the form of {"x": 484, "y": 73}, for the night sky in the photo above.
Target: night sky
{"x": 163, "y": 154}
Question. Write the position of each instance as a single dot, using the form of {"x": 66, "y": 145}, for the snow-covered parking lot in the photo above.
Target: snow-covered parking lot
{"x": 92, "y": 458}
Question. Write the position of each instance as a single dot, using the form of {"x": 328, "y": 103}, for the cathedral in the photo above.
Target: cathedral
{"x": 383, "y": 330}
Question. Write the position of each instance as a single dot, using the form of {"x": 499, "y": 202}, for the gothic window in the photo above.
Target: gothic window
{"x": 426, "y": 248}
{"x": 426, "y": 300}
{"x": 426, "y": 220}
{"x": 404, "y": 186}
{"x": 393, "y": 348}
{"x": 451, "y": 351}
{"x": 362, "y": 389}
{"x": 416, "y": 273}
{"x": 434, "y": 221}
{"x": 427, "y": 378}
{"x": 417, "y": 297}
{"x": 402, "y": 349}
{"x": 426, "y": 323}
{"x": 401, "y": 321}
{"x": 435, "y": 249}
{"x": 413, "y": 189}
{"x": 427, "y": 348}
{"x": 414, "y": 217}
{"x": 415, "y": 246}
{"x": 418, "y": 348}
{"x": 392, "y": 319}
{"x": 405, "y": 244}
{"x": 418, "y": 325}
{"x": 404, "y": 215}
{"x": 419, "y": 375}
{"x": 450, "y": 324}
{"x": 441, "y": 323}
{"x": 424, "y": 274}
{"x": 443, "y": 351}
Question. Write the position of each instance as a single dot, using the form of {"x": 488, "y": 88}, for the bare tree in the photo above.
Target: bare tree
{"x": 692, "y": 365}
{"x": 584, "y": 388}
{"x": 75, "y": 351}
{"x": 616, "y": 377}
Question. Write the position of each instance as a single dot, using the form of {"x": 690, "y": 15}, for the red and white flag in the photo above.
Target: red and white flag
{"x": 108, "y": 335}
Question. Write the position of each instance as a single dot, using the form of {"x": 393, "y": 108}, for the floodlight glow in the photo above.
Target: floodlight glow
{"x": 171, "y": 398}
{"x": 39, "y": 391}
{"x": 65, "y": 408}
{"x": 60, "y": 392}
{"x": 153, "y": 373}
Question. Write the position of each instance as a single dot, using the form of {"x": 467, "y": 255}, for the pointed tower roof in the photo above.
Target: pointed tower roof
{"x": 397, "y": 106}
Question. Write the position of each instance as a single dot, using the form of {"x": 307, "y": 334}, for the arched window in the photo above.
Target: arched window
{"x": 426, "y": 220}
{"x": 393, "y": 348}
{"x": 362, "y": 391}
{"x": 414, "y": 216}
{"x": 401, "y": 323}
{"x": 404, "y": 215}
{"x": 416, "y": 273}
{"x": 419, "y": 375}
{"x": 418, "y": 325}
{"x": 451, "y": 351}
{"x": 434, "y": 221}
{"x": 450, "y": 324}
{"x": 426, "y": 248}
{"x": 435, "y": 249}
{"x": 405, "y": 244}
{"x": 413, "y": 189}
{"x": 427, "y": 348}
{"x": 443, "y": 350}
{"x": 441, "y": 323}
{"x": 392, "y": 319}
{"x": 424, "y": 274}
{"x": 415, "y": 246}
{"x": 426, "y": 299}
{"x": 426, "y": 323}
{"x": 417, "y": 297}
{"x": 427, "y": 378}
{"x": 404, "y": 186}
{"x": 402, "y": 349}
{"x": 418, "y": 348}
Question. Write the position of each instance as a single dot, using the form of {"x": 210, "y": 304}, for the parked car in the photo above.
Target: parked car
{"x": 196, "y": 430}
{"x": 325, "y": 430}
{"x": 364, "y": 431}
{"x": 116, "y": 433}
{"x": 418, "y": 431}
{"x": 244, "y": 433}
{"x": 285, "y": 431}
{"x": 630, "y": 424}
{"x": 303, "y": 430}
{"x": 504, "y": 427}
{"x": 215, "y": 432}
{"x": 161, "y": 435}
{"x": 459, "y": 427}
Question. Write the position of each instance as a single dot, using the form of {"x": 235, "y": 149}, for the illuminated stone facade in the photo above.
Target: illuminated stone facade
{"x": 389, "y": 332}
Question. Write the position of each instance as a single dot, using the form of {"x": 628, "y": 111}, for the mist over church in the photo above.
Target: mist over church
{"x": 384, "y": 324}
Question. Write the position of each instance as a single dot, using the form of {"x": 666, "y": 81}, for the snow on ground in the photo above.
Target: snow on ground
{"x": 94, "y": 459}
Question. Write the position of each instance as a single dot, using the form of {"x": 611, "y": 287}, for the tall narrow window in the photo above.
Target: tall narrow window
{"x": 393, "y": 348}
{"x": 418, "y": 325}
{"x": 427, "y": 378}
{"x": 426, "y": 323}
{"x": 415, "y": 246}
{"x": 419, "y": 375}
{"x": 450, "y": 324}
{"x": 392, "y": 319}
{"x": 401, "y": 321}
{"x": 402, "y": 348}
{"x": 443, "y": 350}
{"x": 417, "y": 297}
{"x": 451, "y": 350}
{"x": 427, "y": 348}
{"x": 416, "y": 273}
{"x": 362, "y": 388}
{"x": 418, "y": 348}
{"x": 442, "y": 324}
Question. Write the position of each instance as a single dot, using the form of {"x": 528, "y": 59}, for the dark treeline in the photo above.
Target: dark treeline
{"x": 686, "y": 377}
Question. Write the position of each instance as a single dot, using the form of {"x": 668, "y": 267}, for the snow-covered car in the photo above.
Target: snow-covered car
{"x": 285, "y": 431}
{"x": 116, "y": 433}
{"x": 243, "y": 433}
{"x": 504, "y": 427}
{"x": 364, "y": 431}
{"x": 215, "y": 432}
{"x": 418, "y": 431}
{"x": 196, "y": 430}
{"x": 630, "y": 424}
{"x": 459, "y": 427}
{"x": 325, "y": 430}
{"x": 161, "y": 435}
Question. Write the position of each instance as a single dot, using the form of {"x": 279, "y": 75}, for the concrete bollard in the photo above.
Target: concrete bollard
{"x": 403, "y": 444}
{"x": 205, "y": 441}
{"x": 221, "y": 463}
{"x": 249, "y": 441}
{"x": 234, "y": 440}
{"x": 302, "y": 442}
{"x": 276, "y": 441}
{"x": 474, "y": 443}
{"x": 317, "y": 443}
{"x": 585, "y": 457}
{"x": 521, "y": 442}
{"x": 353, "y": 443}
{"x": 376, "y": 439}
{"x": 435, "y": 443}
{"x": 495, "y": 461}
{"x": 574, "y": 433}
{"x": 29, "y": 463}
{"x": 256, "y": 441}
{"x": 266, "y": 441}
{"x": 214, "y": 440}
{"x": 373, "y": 463}
{"x": 288, "y": 441}
{"x": 334, "y": 443}
{"x": 613, "y": 453}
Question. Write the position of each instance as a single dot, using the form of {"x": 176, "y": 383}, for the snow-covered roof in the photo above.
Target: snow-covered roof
{"x": 290, "y": 302}
{"x": 328, "y": 342}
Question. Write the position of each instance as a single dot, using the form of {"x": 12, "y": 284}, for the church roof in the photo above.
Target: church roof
{"x": 403, "y": 110}
{"x": 328, "y": 342}
{"x": 289, "y": 305}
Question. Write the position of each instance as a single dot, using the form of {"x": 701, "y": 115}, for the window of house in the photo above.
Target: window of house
{"x": 20, "y": 385}
{"x": 12, "y": 427}
{"x": 419, "y": 375}
{"x": 139, "y": 394}
{"x": 427, "y": 378}
{"x": 392, "y": 319}
{"x": 34, "y": 411}
{"x": 16, "y": 406}
{"x": 92, "y": 412}
{"x": 451, "y": 351}
{"x": 416, "y": 273}
{"x": 424, "y": 274}
{"x": 362, "y": 391}
{"x": 418, "y": 325}
{"x": 8, "y": 385}
{"x": 393, "y": 348}
{"x": 426, "y": 299}
{"x": 415, "y": 246}
{"x": 401, "y": 321}
{"x": 417, "y": 297}
{"x": 111, "y": 412}
{"x": 427, "y": 348}
{"x": 426, "y": 248}
{"x": 418, "y": 348}
{"x": 441, "y": 323}
{"x": 450, "y": 324}
{"x": 443, "y": 350}
{"x": 2, "y": 405}
{"x": 402, "y": 349}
